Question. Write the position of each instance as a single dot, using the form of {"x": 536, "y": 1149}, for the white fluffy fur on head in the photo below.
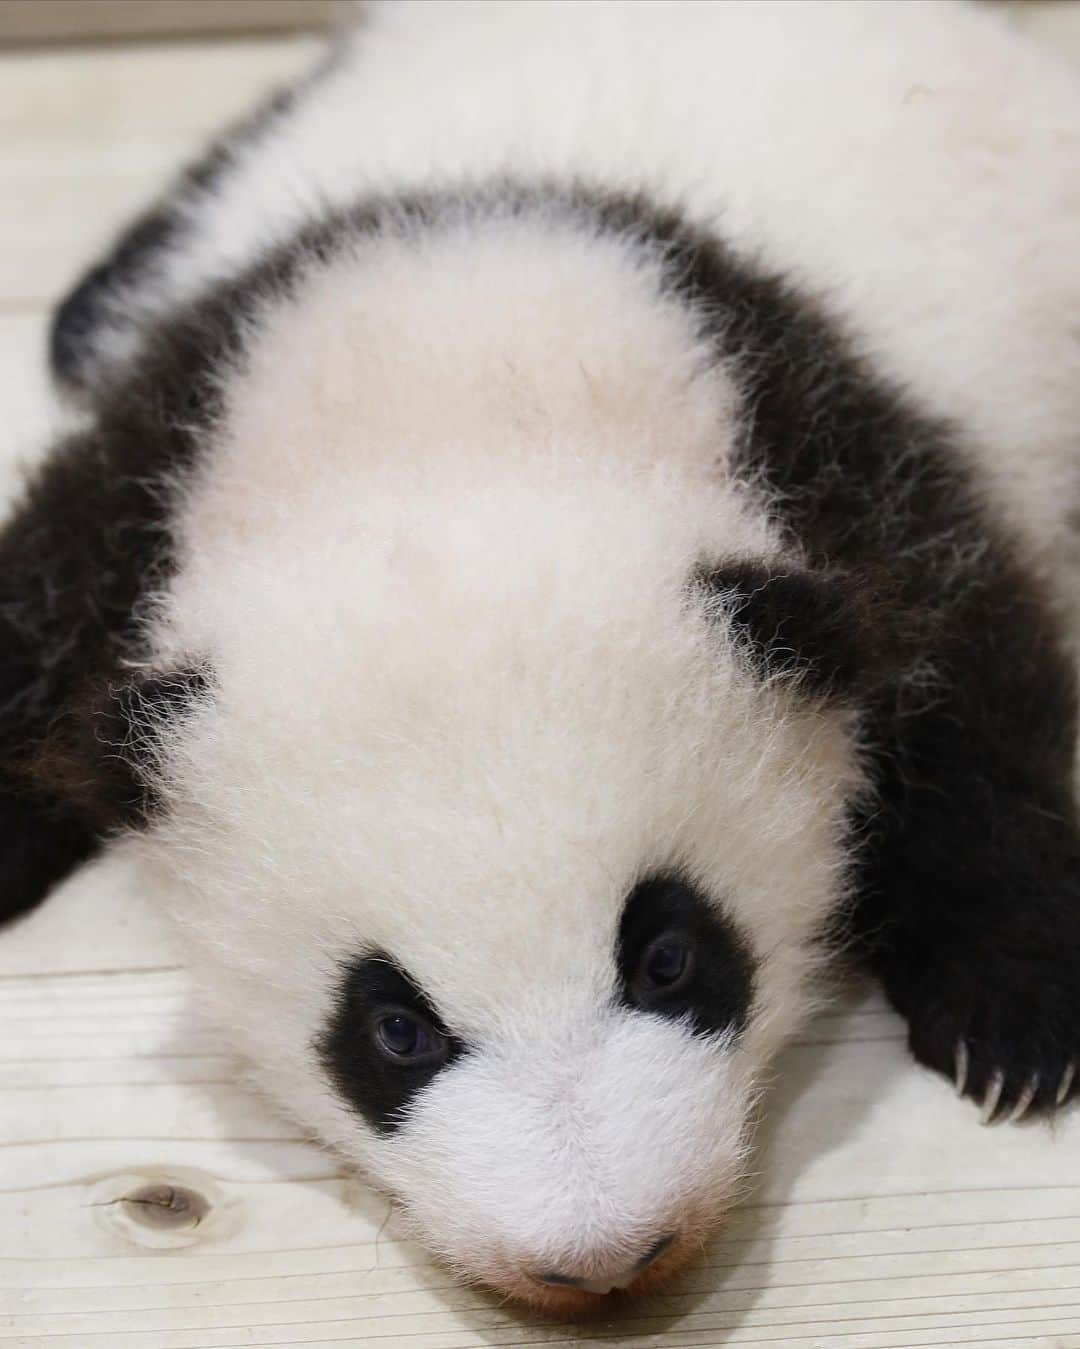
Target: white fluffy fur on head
{"x": 465, "y": 698}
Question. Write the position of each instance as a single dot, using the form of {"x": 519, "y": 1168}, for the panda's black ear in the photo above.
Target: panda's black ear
{"x": 795, "y": 622}
{"x": 99, "y": 755}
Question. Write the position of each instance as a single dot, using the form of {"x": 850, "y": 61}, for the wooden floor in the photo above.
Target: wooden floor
{"x": 147, "y": 1201}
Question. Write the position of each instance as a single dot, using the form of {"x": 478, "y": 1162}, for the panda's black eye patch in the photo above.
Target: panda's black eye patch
{"x": 679, "y": 956}
{"x": 384, "y": 1041}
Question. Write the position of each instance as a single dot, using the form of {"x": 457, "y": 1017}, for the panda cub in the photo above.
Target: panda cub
{"x": 573, "y": 523}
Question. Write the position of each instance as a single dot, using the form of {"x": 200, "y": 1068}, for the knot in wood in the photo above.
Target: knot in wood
{"x": 168, "y": 1206}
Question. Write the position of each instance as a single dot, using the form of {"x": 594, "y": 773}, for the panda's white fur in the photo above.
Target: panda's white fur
{"x": 437, "y": 554}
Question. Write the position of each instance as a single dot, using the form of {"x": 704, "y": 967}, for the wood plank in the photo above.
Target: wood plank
{"x": 28, "y": 21}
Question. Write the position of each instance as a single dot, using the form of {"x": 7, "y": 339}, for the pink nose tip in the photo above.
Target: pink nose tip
{"x": 604, "y": 1283}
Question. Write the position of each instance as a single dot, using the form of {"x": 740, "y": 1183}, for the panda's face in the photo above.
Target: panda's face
{"x": 582, "y": 1133}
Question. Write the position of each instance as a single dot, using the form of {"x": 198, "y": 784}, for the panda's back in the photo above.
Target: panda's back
{"x": 915, "y": 167}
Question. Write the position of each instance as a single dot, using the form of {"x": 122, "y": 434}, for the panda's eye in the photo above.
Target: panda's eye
{"x": 678, "y": 955}
{"x": 666, "y": 967}
{"x": 407, "y": 1038}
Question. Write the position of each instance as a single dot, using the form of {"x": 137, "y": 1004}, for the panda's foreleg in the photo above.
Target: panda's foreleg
{"x": 40, "y": 841}
{"x": 39, "y": 846}
{"x": 66, "y": 587}
{"x": 970, "y": 904}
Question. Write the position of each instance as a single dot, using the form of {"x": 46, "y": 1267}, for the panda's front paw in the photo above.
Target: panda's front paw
{"x": 1000, "y": 1017}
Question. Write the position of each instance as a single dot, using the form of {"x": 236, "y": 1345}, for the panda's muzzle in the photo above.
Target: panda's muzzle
{"x": 607, "y": 1283}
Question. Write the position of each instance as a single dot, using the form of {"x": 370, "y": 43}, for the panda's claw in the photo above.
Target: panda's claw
{"x": 961, "y": 1063}
{"x": 993, "y": 1096}
{"x": 1024, "y": 1100}
{"x": 998, "y": 1012}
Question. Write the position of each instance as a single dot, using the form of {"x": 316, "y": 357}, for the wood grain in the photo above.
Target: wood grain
{"x": 883, "y": 1215}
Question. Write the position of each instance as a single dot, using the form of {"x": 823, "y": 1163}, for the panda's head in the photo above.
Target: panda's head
{"x": 515, "y": 921}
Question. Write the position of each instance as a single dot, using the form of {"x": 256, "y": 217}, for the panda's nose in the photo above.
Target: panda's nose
{"x": 617, "y": 1279}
